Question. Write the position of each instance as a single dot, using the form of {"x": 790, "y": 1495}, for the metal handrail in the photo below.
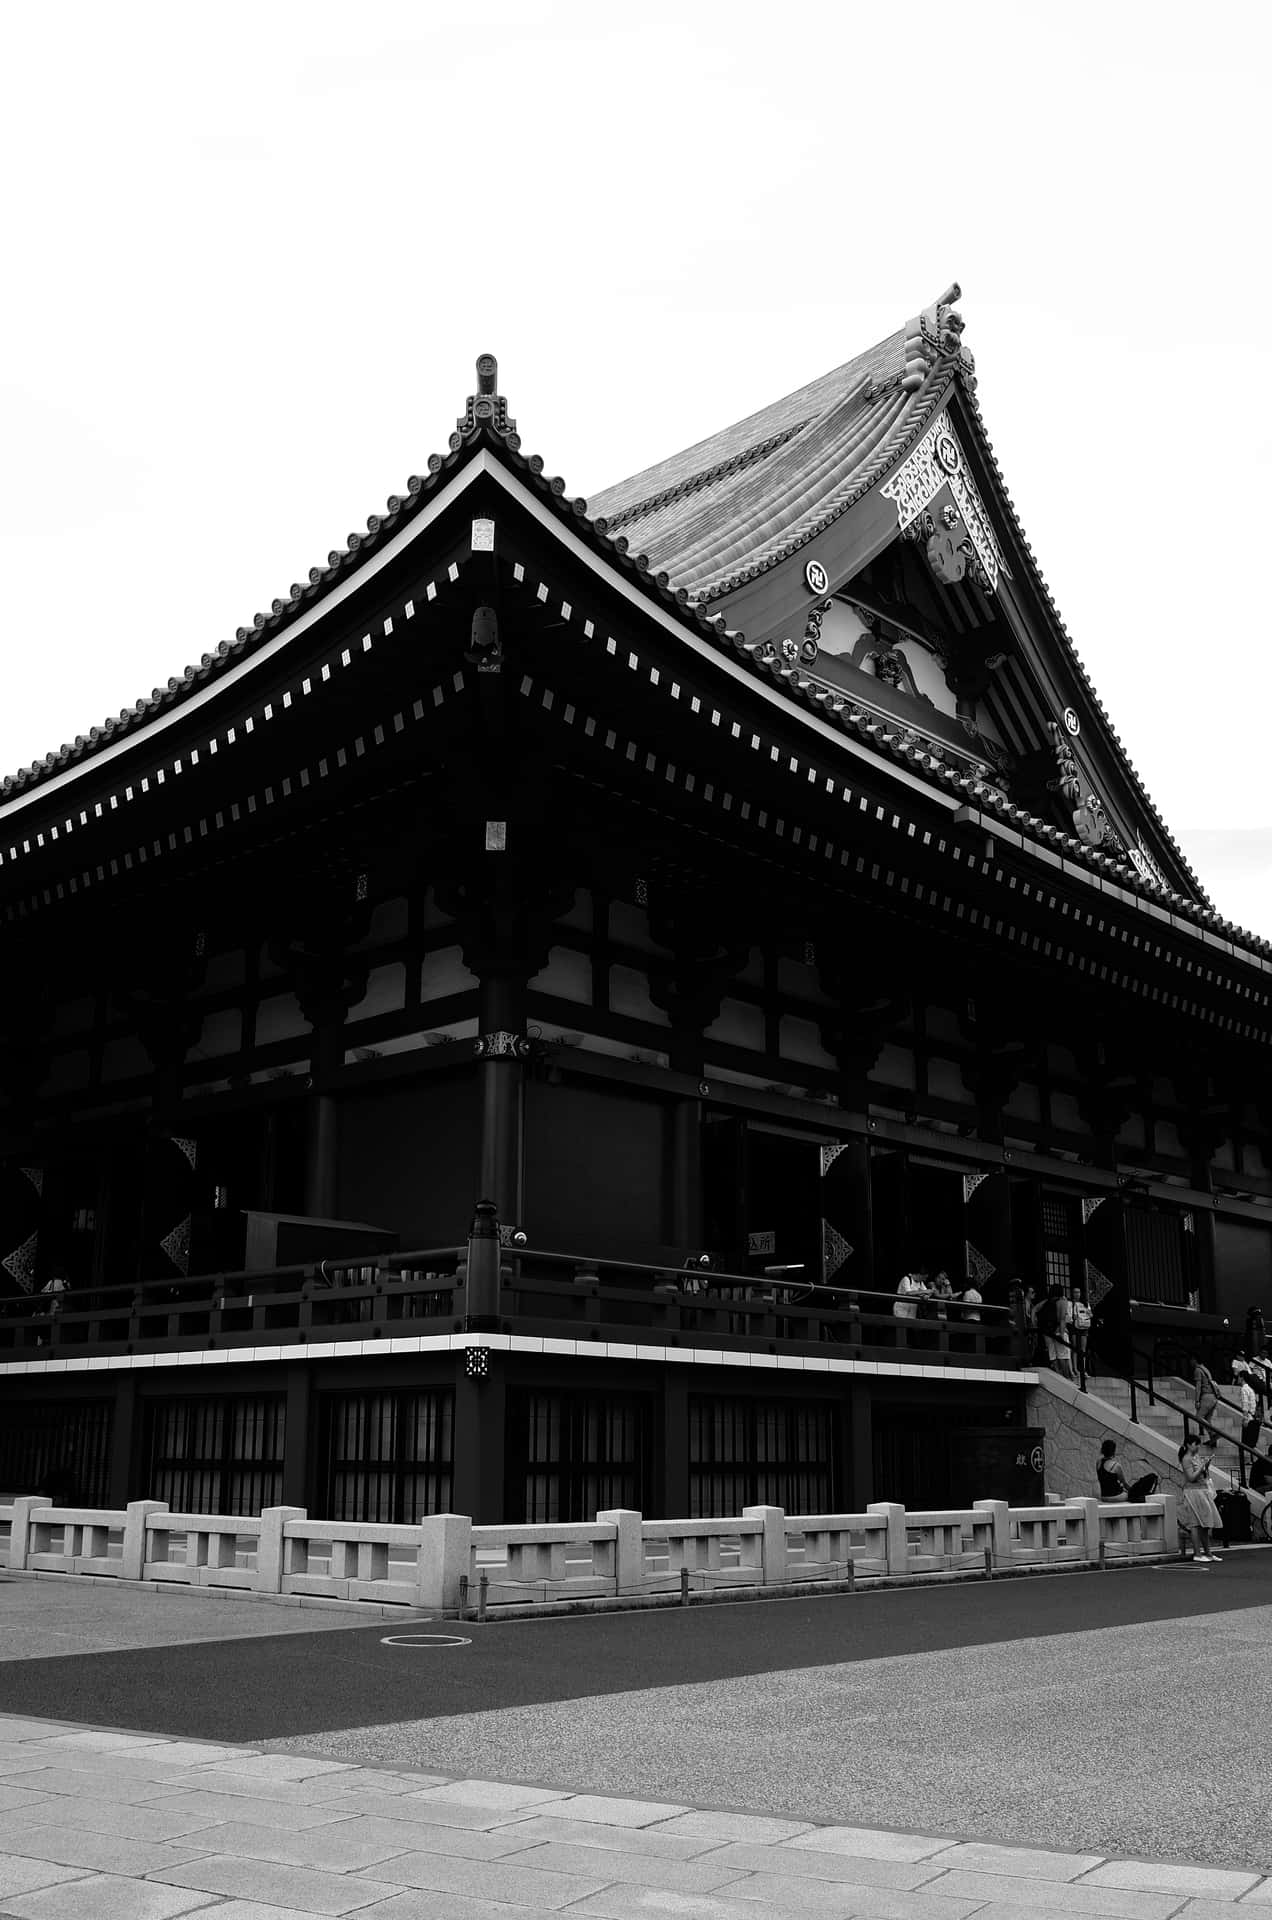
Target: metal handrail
{"x": 1190, "y": 1418}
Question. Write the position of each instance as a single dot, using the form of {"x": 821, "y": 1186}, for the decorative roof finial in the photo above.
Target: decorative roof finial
{"x": 936, "y": 334}
{"x": 486, "y": 408}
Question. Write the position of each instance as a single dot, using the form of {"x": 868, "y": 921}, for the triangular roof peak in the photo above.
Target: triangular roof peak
{"x": 732, "y": 505}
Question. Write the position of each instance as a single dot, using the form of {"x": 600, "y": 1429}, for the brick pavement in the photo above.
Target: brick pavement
{"x": 96, "y": 1825}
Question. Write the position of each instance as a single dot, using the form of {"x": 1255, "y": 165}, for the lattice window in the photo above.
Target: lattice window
{"x": 61, "y": 1448}
{"x": 749, "y": 1452}
{"x": 1057, "y": 1216}
{"x": 1057, "y": 1268}
{"x": 581, "y": 1454}
{"x": 217, "y": 1455}
{"x": 389, "y": 1456}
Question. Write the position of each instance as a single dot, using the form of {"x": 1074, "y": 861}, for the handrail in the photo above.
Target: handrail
{"x": 1155, "y": 1394}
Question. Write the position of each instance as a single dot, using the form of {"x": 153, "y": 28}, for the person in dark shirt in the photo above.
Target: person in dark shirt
{"x": 1111, "y": 1475}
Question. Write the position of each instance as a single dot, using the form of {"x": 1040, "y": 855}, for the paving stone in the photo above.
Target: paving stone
{"x": 1060, "y": 1897}
{"x": 191, "y": 1753}
{"x": 105, "y": 1898}
{"x": 96, "y": 1852}
{"x": 272, "y": 1884}
{"x": 507, "y": 1880}
{"x": 390, "y": 1836}
{"x": 421, "y": 1903}
{"x": 101, "y": 1783}
{"x": 288, "y": 1767}
{"x": 88, "y": 1740}
{"x": 495, "y": 1794}
{"x": 1224, "y": 1909}
{"x": 14, "y": 1726}
{"x": 207, "y": 1809}
{"x": 745, "y": 1857}
{"x": 151, "y": 1822}
{"x": 376, "y": 1780}
{"x": 870, "y": 1843}
{"x": 659, "y": 1903}
{"x": 640, "y": 1869}
{"x": 246, "y": 1786}
{"x": 838, "y": 1899}
{"x": 735, "y": 1826}
{"x": 449, "y": 1813}
{"x": 19, "y": 1874}
{"x": 1034, "y": 1863}
{"x": 344, "y": 1847}
{"x": 1148, "y": 1876}
{"x": 606, "y": 1811}
{"x": 548, "y": 1826}
{"x": 392, "y": 1806}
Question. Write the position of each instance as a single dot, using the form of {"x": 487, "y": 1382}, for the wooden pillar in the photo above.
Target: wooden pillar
{"x": 123, "y": 1471}
{"x": 501, "y": 1051}
{"x": 674, "y": 1501}
{"x": 479, "y": 1467}
{"x": 684, "y": 1212}
{"x": 322, "y": 1158}
{"x": 300, "y": 1488}
{"x": 860, "y": 1449}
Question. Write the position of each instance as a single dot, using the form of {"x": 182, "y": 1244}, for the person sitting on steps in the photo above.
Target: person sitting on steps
{"x": 1111, "y": 1475}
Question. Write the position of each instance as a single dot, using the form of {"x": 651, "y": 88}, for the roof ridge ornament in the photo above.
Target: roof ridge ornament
{"x": 486, "y": 408}
{"x": 935, "y": 335}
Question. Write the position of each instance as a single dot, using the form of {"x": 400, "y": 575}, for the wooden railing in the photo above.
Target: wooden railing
{"x": 554, "y": 1295}
{"x": 445, "y": 1563}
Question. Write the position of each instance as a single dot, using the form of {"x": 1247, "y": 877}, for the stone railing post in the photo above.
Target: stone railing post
{"x": 1000, "y": 1513}
{"x": 446, "y": 1541}
{"x": 24, "y": 1505}
{"x": 629, "y": 1547}
{"x": 896, "y": 1556}
{"x": 1090, "y": 1510}
{"x": 772, "y": 1542}
{"x": 271, "y": 1547}
{"x": 136, "y": 1514}
{"x": 1170, "y": 1521}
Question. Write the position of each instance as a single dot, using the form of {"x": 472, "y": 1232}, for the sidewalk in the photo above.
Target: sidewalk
{"x": 110, "y": 1826}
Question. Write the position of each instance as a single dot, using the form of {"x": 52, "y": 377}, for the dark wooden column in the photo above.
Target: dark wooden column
{"x": 322, "y": 922}
{"x": 864, "y": 1018}
{"x": 707, "y": 950}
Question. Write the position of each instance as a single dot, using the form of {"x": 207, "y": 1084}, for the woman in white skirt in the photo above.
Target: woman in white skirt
{"x": 1198, "y": 1514}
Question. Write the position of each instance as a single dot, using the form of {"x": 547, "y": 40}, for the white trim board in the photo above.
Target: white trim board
{"x": 514, "y": 1343}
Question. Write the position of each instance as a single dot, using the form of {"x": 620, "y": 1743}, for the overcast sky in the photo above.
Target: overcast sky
{"x": 251, "y": 253}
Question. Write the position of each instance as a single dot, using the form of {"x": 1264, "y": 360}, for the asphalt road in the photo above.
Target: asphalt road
{"x": 296, "y": 1684}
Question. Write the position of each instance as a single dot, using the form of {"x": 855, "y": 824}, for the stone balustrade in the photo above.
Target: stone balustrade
{"x": 445, "y": 1561}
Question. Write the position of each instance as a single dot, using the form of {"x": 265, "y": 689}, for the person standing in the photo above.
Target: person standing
{"x": 1248, "y": 1400}
{"x": 1053, "y": 1322}
{"x": 1205, "y": 1392}
{"x": 1079, "y": 1329}
{"x": 911, "y": 1289}
{"x": 1198, "y": 1513}
{"x": 972, "y": 1301}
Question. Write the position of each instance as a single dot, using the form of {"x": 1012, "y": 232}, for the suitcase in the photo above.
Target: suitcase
{"x": 1234, "y": 1511}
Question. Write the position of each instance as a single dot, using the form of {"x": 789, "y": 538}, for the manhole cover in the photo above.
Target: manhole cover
{"x": 424, "y": 1640}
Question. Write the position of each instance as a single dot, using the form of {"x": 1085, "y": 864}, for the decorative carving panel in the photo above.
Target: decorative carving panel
{"x": 938, "y": 462}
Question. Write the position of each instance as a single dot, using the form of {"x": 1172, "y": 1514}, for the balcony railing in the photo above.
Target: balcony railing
{"x": 549, "y": 1294}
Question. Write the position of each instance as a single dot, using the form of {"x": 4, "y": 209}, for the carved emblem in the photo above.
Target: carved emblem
{"x": 1072, "y": 723}
{"x": 919, "y": 479}
{"x": 501, "y": 1046}
{"x": 816, "y": 577}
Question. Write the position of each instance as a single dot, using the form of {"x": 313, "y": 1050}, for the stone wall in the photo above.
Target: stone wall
{"x": 1073, "y": 1431}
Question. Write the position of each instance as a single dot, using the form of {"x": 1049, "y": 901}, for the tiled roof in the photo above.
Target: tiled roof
{"x": 735, "y": 504}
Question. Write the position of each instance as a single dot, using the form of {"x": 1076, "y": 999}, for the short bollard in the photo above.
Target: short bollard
{"x": 463, "y": 1596}
{"x": 684, "y": 1586}
{"x": 483, "y": 1587}
{"x": 1104, "y": 1563}
{"x": 850, "y": 1575}
{"x": 989, "y": 1563}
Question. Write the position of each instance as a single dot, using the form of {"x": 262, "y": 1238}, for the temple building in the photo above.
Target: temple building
{"x": 735, "y": 881}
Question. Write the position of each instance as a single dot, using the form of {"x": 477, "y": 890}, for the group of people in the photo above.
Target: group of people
{"x": 921, "y": 1295}
{"x": 1061, "y": 1325}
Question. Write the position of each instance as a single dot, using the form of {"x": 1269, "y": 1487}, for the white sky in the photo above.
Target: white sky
{"x": 252, "y": 253}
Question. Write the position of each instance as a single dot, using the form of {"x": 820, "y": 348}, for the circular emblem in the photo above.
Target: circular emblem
{"x": 946, "y": 557}
{"x": 1071, "y": 722}
{"x": 816, "y": 577}
{"x": 1037, "y": 1459}
{"x": 947, "y": 453}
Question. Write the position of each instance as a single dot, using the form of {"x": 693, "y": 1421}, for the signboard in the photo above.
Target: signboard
{"x": 761, "y": 1242}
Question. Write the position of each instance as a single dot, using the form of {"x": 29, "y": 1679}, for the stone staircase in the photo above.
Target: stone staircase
{"x": 1168, "y": 1422}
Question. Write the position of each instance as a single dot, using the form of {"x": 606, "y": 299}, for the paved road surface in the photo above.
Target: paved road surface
{"x": 1120, "y": 1713}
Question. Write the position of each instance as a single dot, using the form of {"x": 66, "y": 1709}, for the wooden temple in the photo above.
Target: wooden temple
{"x": 492, "y": 1035}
